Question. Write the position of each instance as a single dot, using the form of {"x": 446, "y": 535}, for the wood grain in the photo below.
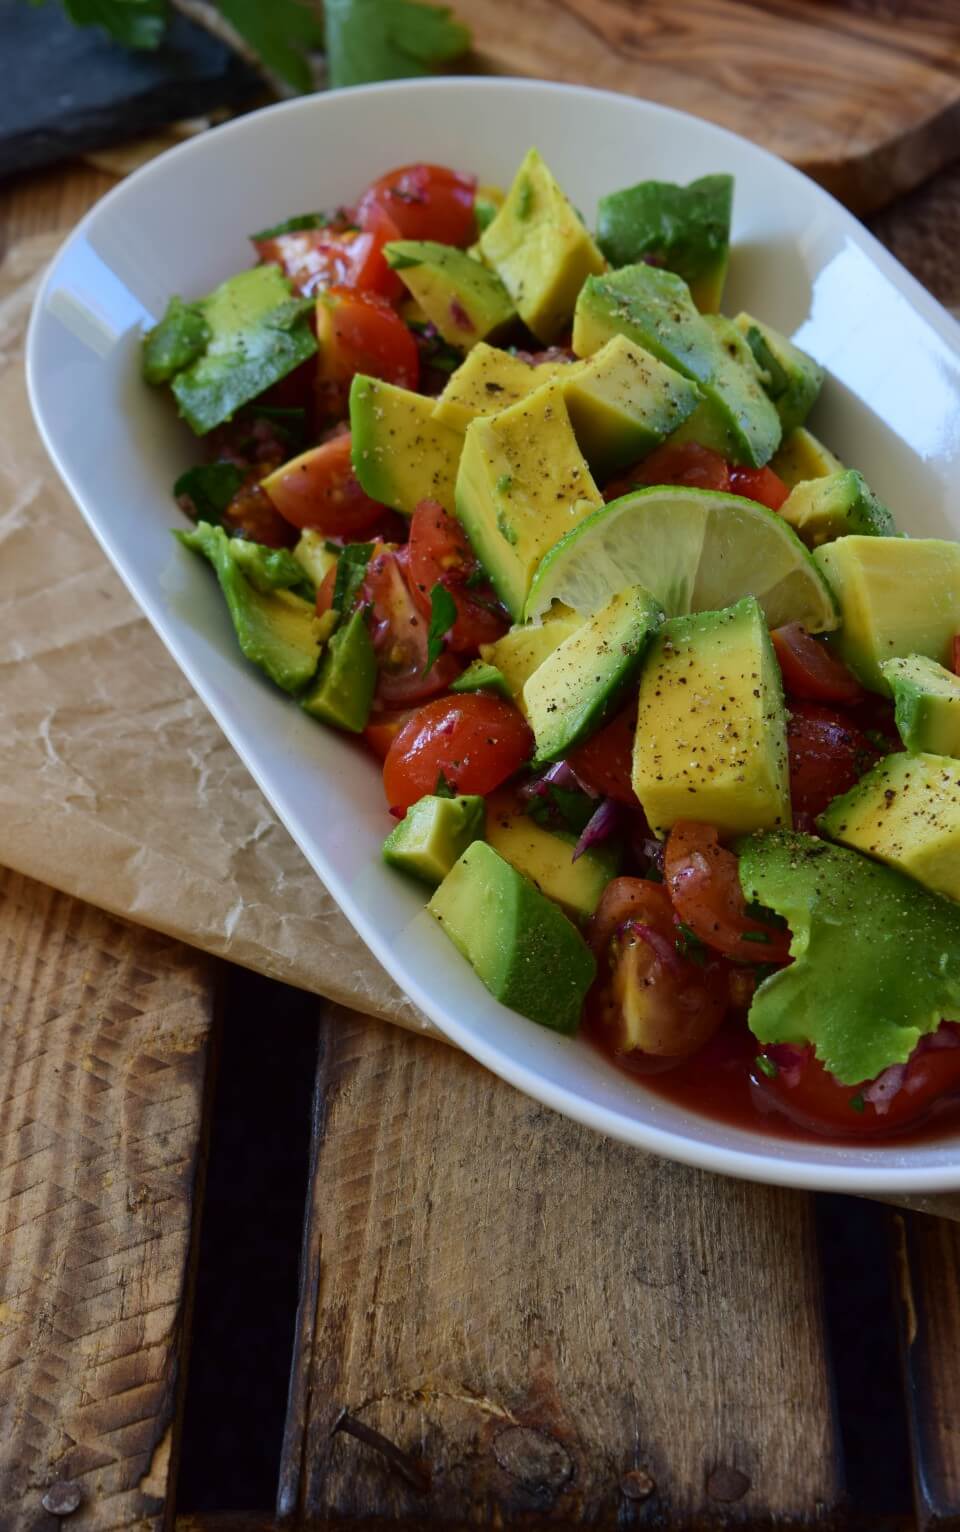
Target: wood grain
{"x": 103, "y": 1056}
{"x": 555, "y": 1329}
{"x": 927, "y": 1257}
{"x": 864, "y": 96}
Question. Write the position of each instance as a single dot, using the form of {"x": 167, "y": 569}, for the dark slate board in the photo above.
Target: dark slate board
{"x": 67, "y": 89}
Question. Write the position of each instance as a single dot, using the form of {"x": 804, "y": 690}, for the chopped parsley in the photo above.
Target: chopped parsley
{"x": 443, "y": 615}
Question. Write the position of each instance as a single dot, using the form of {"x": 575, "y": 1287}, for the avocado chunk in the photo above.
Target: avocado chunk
{"x": 905, "y": 812}
{"x": 622, "y": 402}
{"x": 480, "y": 676}
{"x": 401, "y": 454}
{"x": 522, "y": 947}
{"x": 654, "y": 309}
{"x": 342, "y": 693}
{"x": 546, "y": 857}
{"x": 684, "y": 228}
{"x": 276, "y": 630}
{"x": 522, "y": 483}
{"x": 926, "y": 702}
{"x": 836, "y": 505}
{"x": 539, "y": 248}
{"x": 433, "y": 833}
{"x": 224, "y": 350}
{"x": 801, "y": 456}
{"x": 876, "y": 957}
{"x": 465, "y": 300}
{"x": 791, "y": 378}
{"x": 897, "y": 596}
{"x": 270, "y": 569}
{"x": 526, "y": 645}
{"x": 490, "y": 380}
{"x": 584, "y": 680}
{"x": 316, "y": 555}
{"x": 711, "y": 739}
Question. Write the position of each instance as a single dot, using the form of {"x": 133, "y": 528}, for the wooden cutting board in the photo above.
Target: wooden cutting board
{"x": 864, "y": 95}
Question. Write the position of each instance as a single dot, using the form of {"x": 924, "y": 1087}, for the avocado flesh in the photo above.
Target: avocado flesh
{"x": 522, "y": 648}
{"x": 546, "y": 857}
{"x": 654, "y": 309}
{"x": 582, "y": 682}
{"x": 540, "y": 249}
{"x": 711, "y": 741}
{"x": 315, "y": 556}
{"x": 876, "y": 957}
{"x": 683, "y": 228}
{"x": 906, "y": 813}
{"x": 926, "y": 702}
{"x": 622, "y": 403}
{"x": 277, "y": 631}
{"x": 342, "y": 693}
{"x": 433, "y": 833}
{"x": 480, "y": 676}
{"x": 522, "y": 483}
{"x": 489, "y": 380}
{"x": 465, "y": 300}
{"x": 792, "y": 379}
{"x": 801, "y": 456}
{"x": 401, "y": 453}
{"x": 897, "y": 596}
{"x": 522, "y": 947}
{"x": 836, "y": 505}
{"x": 253, "y": 333}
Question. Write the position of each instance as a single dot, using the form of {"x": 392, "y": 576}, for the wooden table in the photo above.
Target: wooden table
{"x": 499, "y": 1322}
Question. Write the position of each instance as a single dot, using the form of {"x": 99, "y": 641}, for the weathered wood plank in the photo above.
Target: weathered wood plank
{"x": 103, "y": 1058}
{"x": 547, "y": 1324}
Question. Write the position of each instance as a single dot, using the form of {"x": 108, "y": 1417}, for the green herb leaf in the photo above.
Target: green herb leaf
{"x": 209, "y": 487}
{"x": 857, "y": 1102}
{"x": 444, "y": 789}
{"x": 388, "y": 39}
{"x": 689, "y": 945}
{"x": 134, "y": 23}
{"x": 289, "y": 421}
{"x": 295, "y": 225}
{"x": 443, "y": 615}
{"x": 281, "y": 33}
{"x": 757, "y": 936}
{"x": 351, "y": 568}
{"x": 766, "y": 1066}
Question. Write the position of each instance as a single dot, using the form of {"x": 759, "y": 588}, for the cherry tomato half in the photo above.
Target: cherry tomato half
{"x": 360, "y": 332}
{"x": 319, "y": 489}
{"x": 675, "y": 463}
{"x": 400, "y": 635}
{"x": 475, "y": 741}
{"x": 814, "y": 1099}
{"x": 423, "y": 202}
{"x": 441, "y": 555}
{"x": 252, "y": 515}
{"x": 604, "y": 762}
{"x": 760, "y": 484}
{"x": 828, "y": 754}
{"x": 810, "y": 671}
{"x": 704, "y": 885}
{"x": 313, "y": 259}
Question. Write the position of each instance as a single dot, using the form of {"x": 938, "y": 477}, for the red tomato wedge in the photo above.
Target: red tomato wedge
{"x": 400, "y": 635}
{"x": 441, "y": 555}
{"x": 674, "y": 463}
{"x": 803, "y": 1091}
{"x": 704, "y": 886}
{"x": 810, "y": 671}
{"x": 360, "y": 332}
{"x": 319, "y": 489}
{"x": 317, "y": 258}
{"x": 475, "y": 742}
{"x": 604, "y": 762}
{"x": 828, "y": 754}
{"x": 423, "y": 202}
{"x": 760, "y": 484}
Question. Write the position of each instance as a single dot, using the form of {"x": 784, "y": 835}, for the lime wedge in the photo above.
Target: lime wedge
{"x": 696, "y": 550}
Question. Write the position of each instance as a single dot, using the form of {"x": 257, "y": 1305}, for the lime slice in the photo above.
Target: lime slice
{"x": 696, "y": 550}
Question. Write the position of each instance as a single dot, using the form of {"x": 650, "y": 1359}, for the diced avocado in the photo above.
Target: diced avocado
{"x": 224, "y": 350}
{"x": 897, "y": 596}
{"x": 465, "y": 300}
{"x": 523, "y": 482}
{"x": 711, "y": 740}
{"x": 401, "y": 454}
{"x": 905, "y": 812}
{"x": 801, "y": 456}
{"x": 546, "y": 857}
{"x": 487, "y": 202}
{"x": 684, "y": 228}
{"x": 838, "y": 504}
{"x": 518, "y": 653}
{"x": 342, "y": 694}
{"x": 276, "y": 630}
{"x": 926, "y": 700}
{"x": 538, "y": 246}
{"x": 654, "y": 309}
{"x": 622, "y": 402}
{"x": 480, "y": 676}
{"x": 316, "y": 555}
{"x": 791, "y": 378}
{"x": 489, "y": 380}
{"x": 433, "y": 833}
{"x": 522, "y": 947}
{"x": 270, "y": 569}
{"x": 876, "y": 957}
{"x": 583, "y": 681}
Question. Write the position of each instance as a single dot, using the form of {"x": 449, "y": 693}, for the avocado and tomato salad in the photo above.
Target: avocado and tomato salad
{"x": 667, "y": 707}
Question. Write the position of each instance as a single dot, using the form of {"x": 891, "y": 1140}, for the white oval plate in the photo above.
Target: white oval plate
{"x": 180, "y": 225}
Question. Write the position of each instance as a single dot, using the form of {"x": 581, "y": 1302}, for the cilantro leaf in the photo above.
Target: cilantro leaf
{"x": 351, "y": 569}
{"x": 295, "y": 225}
{"x": 281, "y": 33}
{"x": 134, "y": 23}
{"x": 209, "y": 487}
{"x": 443, "y": 615}
{"x": 443, "y": 788}
{"x": 389, "y": 39}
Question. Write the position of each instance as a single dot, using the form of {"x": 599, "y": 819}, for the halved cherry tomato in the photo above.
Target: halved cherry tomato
{"x": 704, "y": 885}
{"x": 828, "y": 754}
{"x": 810, "y": 671}
{"x": 319, "y": 489}
{"x": 424, "y": 202}
{"x": 604, "y": 762}
{"x": 675, "y": 463}
{"x": 760, "y": 484}
{"x": 814, "y": 1099}
{"x": 360, "y": 332}
{"x": 475, "y": 741}
{"x": 316, "y": 258}
{"x": 400, "y": 635}
{"x": 440, "y": 554}
{"x": 384, "y": 726}
{"x": 251, "y": 514}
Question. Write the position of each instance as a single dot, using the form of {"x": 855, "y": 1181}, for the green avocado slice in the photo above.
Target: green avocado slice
{"x": 876, "y": 956}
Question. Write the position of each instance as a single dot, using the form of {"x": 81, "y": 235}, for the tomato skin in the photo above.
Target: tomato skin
{"x": 476, "y": 741}
{"x": 828, "y": 755}
{"x": 760, "y": 484}
{"x": 674, "y": 463}
{"x": 604, "y": 762}
{"x": 313, "y": 259}
{"x": 810, "y": 671}
{"x": 400, "y": 634}
{"x": 440, "y": 554}
{"x": 360, "y": 332}
{"x": 704, "y": 885}
{"x": 251, "y": 514}
{"x": 813, "y": 1099}
{"x": 423, "y": 202}
{"x": 319, "y": 489}
{"x": 956, "y": 654}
